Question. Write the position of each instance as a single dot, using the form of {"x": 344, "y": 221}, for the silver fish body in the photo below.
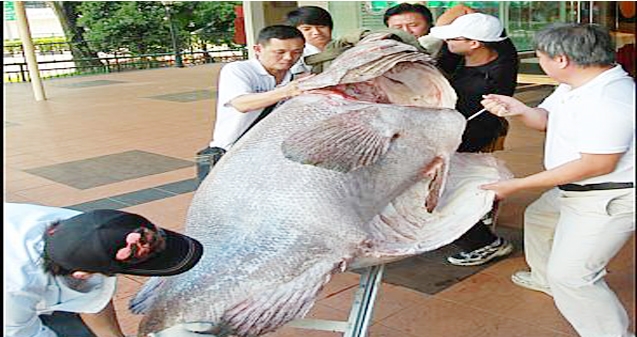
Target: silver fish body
{"x": 289, "y": 205}
{"x": 345, "y": 175}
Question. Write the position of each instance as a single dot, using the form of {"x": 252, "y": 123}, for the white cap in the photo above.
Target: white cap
{"x": 474, "y": 26}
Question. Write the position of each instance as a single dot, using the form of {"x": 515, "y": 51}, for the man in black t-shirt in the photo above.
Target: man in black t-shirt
{"x": 487, "y": 63}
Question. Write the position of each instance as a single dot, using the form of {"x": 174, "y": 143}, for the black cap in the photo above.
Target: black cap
{"x": 117, "y": 242}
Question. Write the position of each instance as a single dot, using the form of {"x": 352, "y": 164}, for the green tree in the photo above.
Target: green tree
{"x": 207, "y": 23}
{"x": 212, "y": 21}
{"x": 138, "y": 27}
{"x": 67, "y": 13}
{"x": 141, "y": 27}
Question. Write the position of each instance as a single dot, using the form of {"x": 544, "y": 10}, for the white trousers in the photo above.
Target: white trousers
{"x": 569, "y": 239}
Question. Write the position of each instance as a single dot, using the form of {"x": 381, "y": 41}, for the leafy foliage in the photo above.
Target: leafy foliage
{"x": 142, "y": 27}
{"x": 137, "y": 26}
{"x": 211, "y": 21}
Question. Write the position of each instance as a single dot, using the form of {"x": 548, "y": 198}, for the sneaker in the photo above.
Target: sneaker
{"x": 524, "y": 279}
{"x": 499, "y": 247}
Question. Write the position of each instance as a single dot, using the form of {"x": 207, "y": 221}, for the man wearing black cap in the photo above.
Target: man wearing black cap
{"x": 62, "y": 260}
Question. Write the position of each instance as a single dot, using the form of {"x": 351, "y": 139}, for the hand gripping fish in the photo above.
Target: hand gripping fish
{"x": 352, "y": 173}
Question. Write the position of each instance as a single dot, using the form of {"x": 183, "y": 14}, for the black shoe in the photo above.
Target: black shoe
{"x": 499, "y": 247}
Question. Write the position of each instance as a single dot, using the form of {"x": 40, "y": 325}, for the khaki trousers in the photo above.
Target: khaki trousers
{"x": 569, "y": 239}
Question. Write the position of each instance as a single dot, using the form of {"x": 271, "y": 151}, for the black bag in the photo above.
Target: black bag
{"x": 208, "y": 157}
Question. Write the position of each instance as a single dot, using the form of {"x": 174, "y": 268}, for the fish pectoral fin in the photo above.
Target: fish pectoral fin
{"x": 436, "y": 171}
{"x": 344, "y": 142}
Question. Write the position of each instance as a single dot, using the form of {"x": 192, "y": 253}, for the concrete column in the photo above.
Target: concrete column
{"x": 254, "y": 21}
{"x": 29, "y": 51}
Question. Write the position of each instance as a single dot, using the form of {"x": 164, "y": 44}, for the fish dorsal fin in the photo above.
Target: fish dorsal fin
{"x": 342, "y": 143}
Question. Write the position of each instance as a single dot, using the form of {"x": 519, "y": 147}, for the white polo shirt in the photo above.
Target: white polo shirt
{"x": 29, "y": 290}
{"x": 300, "y": 67}
{"x": 236, "y": 79}
{"x": 596, "y": 118}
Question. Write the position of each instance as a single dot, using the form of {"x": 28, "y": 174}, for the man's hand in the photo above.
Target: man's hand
{"x": 502, "y": 106}
{"x": 292, "y": 89}
{"x": 503, "y": 188}
{"x": 453, "y": 13}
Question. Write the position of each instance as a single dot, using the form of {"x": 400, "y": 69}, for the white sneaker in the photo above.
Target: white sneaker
{"x": 524, "y": 279}
{"x": 498, "y": 248}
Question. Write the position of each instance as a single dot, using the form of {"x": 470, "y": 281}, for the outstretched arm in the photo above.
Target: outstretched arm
{"x": 589, "y": 165}
{"x": 251, "y": 102}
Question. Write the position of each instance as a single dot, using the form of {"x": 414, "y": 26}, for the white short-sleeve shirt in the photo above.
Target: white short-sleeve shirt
{"x": 596, "y": 118}
{"x": 29, "y": 290}
{"x": 236, "y": 79}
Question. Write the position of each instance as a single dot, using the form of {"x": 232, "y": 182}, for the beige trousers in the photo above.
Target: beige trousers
{"x": 569, "y": 239}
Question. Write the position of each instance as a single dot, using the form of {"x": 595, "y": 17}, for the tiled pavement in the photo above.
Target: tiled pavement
{"x": 127, "y": 140}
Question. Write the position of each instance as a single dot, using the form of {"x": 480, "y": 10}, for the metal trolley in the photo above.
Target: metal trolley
{"x": 361, "y": 313}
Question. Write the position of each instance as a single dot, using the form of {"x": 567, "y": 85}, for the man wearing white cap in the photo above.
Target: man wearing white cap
{"x": 489, "y": 65}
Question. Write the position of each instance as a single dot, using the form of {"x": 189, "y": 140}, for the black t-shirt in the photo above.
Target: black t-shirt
{"x": 496, "y": 77}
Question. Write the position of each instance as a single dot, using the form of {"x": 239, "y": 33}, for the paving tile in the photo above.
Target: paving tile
{"x": 142, "y": 196}
{"x": 108, "y": 169}
{"x": 179, "y": 187}
{"x": 87, "y": 84}
{"x": 188, "y": 96}
{"x": 435, "y": 317}
{"x": 98, "y": 204}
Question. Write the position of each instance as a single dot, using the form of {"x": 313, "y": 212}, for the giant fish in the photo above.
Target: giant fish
{"x": 352, "y": 173}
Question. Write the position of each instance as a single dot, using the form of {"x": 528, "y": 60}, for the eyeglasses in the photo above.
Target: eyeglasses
{"x": 458, "y": 39}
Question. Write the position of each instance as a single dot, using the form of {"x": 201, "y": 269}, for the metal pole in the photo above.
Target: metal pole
{"x": 173, "y": 34}
{"x": 29, "y": 51}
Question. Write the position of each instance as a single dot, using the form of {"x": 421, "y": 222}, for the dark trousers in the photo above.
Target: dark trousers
{"x": 205, "y": 160}
{"x": 66, "y": 324}
{"x": 478, "y": 236}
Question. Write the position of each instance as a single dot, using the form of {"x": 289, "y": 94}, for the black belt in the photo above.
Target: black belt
{"x": 594, "y": 187}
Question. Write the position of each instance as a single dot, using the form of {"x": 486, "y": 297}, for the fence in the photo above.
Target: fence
{"x": 56, "y": 60}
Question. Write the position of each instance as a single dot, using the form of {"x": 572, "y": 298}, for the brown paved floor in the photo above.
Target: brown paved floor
{"x": 83, "y": 121}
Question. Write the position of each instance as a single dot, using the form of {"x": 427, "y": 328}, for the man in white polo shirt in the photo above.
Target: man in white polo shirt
{"x": 247, "y": 88}
{"x": 573, "y": 230}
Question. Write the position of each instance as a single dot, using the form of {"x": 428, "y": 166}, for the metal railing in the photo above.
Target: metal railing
{"x": 55, "y": 60}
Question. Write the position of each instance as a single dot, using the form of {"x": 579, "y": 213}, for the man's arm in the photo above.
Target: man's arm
{"x": 589, "y": 165}
{"x": 254, "y": 101}
{"x": 103, "y": 323}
